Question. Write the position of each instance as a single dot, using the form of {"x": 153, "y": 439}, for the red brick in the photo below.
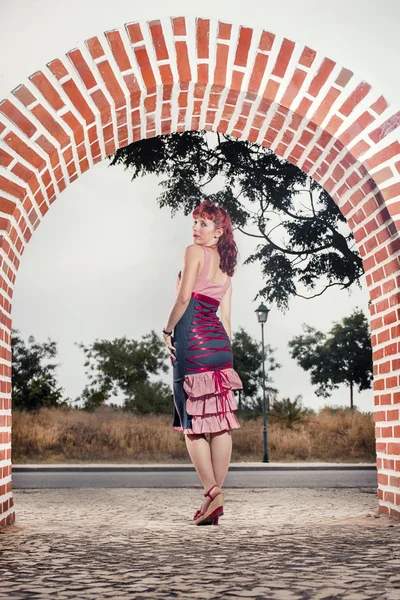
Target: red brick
{"x": 283, "y": 59}
{"x": 384, "y": 368}
{"x": 293, "y": 88}
{"x": 307, "y": 57}
{"x": 383, "y": 175}
{"x": 224, "y": 31}
{"x": 379, "y": 415}
{"x": 21, "y": 121}
{"x": 78, "y": 101}
{"x": 51, "y": 125}
{"x": 183, "y": 62}
{"x": 334, "y": 124}
{"x": 382, "y": 305}
{"x": 381, "y": 255}
{"x": 322, "y": 75}
{"x": 383, "y": 235}
{"x": 391, "y": 382}
{"x": 48, "y": 91}
{"x": 393, "y": 415}
{"x": 380, "y": 105}
{"x": 393, "y": 448}
{"x": 25, "y": 151}
{"x": 257, "y": 73}
{"x": 75, "y": 127}
{"x": 360, "y": 148}
{"x": 392, "y": 267}
{"x": 383, "y": 216}
{"x": 202, "y": 38}
{"x": 303, "y": 107}
{"x": 354, "y": 99}
{"x": 5, "y": 158}
{"x": 271, "y": 89}
{"x": 383, "y": 155}
{"x": 95, "y": 48}
{"x": 146, "y": 69}
{"x": 388, "y": 496}
{"x": 58, "y": 69}
{"x": 221, "y": 64}
{"x": 383, "y": 479}
{"x": 326, "y": 105}
{"x": 356, "y": 128}
{"x": 24, "y": 95}
{"x": 390, "y": 349}
{"x": 387, "y": 127}
{"x": 118, "y": 49}
{"x": 344, "y": 77}
{"x": 134, "y": 32}
{"x": 82, "y": 68}
{"x": 112, "y": 84}
{"x": 179, "y": 25}
{"x": 387, "y": 431}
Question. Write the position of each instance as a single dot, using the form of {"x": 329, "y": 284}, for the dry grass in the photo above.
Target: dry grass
{"x": 112, "y": 435}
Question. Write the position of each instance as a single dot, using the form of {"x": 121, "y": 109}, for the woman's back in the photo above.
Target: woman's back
{"x": 211, "y": 281}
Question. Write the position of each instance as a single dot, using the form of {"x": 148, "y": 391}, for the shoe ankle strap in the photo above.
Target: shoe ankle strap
{"x": 211, "y": 488}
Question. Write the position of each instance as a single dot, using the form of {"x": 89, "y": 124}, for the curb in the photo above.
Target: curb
{"x": 140, "y": 468}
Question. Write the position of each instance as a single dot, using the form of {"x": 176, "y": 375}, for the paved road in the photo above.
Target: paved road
{"x": 179, "y": 476}
{"x": 142, "y": 544}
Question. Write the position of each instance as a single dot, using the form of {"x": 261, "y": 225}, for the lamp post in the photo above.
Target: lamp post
{"x": 262, "y": 315}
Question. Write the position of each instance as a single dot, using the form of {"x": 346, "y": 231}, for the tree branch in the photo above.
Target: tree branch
{"x": 249, "y": 234}
{"x": 344, "y": 286}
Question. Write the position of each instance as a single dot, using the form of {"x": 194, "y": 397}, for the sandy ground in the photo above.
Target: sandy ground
{"x": 281, "y": 544}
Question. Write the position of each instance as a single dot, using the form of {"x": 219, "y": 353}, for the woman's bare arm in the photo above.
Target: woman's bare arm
{"x": 191, "y": 261}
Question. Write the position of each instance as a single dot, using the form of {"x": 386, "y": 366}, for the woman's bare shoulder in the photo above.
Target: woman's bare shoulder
{"x": 193, "y": 250}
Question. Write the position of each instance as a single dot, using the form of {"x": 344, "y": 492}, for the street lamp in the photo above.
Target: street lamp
{"x": 262, "y": 315}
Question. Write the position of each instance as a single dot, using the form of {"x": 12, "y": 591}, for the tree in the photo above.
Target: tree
{"x": 288, "y": 412}
{"x": 302, "y": 244}
{"x": 247, "y": 358}
{"x": 151, "y": 397}
{"x": 344, "y": 355}
{"x": 34, "y": 383}
{"x": 124, "y": 366}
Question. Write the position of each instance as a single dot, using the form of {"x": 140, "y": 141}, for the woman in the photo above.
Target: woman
{"x": 201, "y": 353}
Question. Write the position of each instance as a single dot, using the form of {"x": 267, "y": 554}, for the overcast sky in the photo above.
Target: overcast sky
{"x": 103, "y": 262}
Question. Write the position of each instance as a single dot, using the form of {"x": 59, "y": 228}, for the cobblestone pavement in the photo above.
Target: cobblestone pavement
{"x": 278, "y": 544}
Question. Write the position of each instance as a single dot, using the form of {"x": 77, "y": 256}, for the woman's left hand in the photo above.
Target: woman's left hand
{"x": 171, "y": 349}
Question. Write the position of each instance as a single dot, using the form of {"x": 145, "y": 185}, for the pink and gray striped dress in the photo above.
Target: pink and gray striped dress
{"x": 204, "y": 379}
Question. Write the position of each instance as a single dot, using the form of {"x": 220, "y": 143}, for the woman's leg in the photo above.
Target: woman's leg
{"x": 200, "y": 455}
{"x": 221, "y": 451}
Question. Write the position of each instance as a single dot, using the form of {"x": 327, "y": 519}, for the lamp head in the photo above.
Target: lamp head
{"x": 262, "y": 313}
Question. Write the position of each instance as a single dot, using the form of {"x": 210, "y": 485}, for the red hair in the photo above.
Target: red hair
{"x": 227, "y": 248}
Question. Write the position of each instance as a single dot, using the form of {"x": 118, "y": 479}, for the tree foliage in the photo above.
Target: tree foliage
{"x": 343, "y": 355}
{"x": 34, "y": 383}
{"x": 124, "y": 366}
{"x": 303, "y": 246}
{"x": 288, "y": 412}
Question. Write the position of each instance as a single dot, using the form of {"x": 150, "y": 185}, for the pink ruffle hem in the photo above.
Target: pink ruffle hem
{"x": 210, "y": 403}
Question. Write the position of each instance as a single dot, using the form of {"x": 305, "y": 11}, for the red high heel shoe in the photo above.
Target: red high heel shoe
{"x": 214, "y": 510}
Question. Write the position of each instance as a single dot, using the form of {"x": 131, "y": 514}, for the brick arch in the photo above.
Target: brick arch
{"x": 152, "y": 78}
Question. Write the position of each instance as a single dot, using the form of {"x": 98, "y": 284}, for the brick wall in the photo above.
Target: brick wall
{"x": 178, "y": 74}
